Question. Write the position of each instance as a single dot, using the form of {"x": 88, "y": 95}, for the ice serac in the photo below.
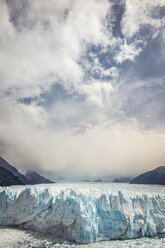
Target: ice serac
{"x": 83, "y": 216}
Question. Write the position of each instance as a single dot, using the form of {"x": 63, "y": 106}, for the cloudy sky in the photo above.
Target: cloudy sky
{"x": 82, "y": 85}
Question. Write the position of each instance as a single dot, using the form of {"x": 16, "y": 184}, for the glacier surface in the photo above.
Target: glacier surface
{"x": 85, "y": 213}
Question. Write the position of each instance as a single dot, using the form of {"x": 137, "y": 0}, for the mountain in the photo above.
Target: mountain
{"x": 9, "y": 175}
{"x": 156, "y": 176}
{"x": 4, "y": 164}
{"x": 35, "y": 178}
{"x": 122, "y": 180}
{"x": 7, "y": 178}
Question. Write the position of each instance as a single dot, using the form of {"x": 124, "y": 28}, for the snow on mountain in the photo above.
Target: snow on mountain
{"x": 85, "y": 213}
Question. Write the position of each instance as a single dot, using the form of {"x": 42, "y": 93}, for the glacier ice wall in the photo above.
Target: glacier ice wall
{"x": 83, "y": 215}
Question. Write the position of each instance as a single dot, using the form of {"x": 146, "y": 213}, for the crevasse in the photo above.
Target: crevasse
{"x": 83, "y": 215}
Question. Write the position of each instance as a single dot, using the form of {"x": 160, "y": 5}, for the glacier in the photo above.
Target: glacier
{"x": 85, "y": 213}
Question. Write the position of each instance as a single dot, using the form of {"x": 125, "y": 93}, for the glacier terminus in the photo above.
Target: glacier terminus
{"x": 85, "y": 212}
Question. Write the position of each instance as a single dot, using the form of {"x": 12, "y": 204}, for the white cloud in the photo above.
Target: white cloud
{"x": 140, "y": 13}
{"x": 127, "y": 51}
{"x": 113, "y": 72}
{"x": 7, "y": 30}
{"x": 98, "y": 92}
{"x": 48, "y": 39}
{"x": 47, "y": 42}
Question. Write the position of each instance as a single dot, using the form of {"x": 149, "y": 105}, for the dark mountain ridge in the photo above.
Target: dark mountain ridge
{"x": 4, "y": 164}
{"x": 122, "y": 179}
{"x": 9, "y": 175}
{"x": 156, "y": 176}
{"x": 7, "y": 178}
{"x": 35, "y": 178}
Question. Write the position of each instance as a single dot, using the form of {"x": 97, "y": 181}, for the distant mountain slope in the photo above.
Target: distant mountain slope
{"x": 7, "y": 178}
{"x": 35, "y": 178}
{"x": 4, "y": 164}
{"x": 122, "y": 180}
{"x": 14, "y": 177}
{"x": 156, "y": 176}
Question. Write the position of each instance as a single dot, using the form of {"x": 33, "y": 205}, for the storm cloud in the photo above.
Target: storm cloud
{"x": 82, "y": 85}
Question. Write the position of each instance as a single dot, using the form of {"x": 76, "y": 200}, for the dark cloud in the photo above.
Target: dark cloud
{"x": 82, "y": 82}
